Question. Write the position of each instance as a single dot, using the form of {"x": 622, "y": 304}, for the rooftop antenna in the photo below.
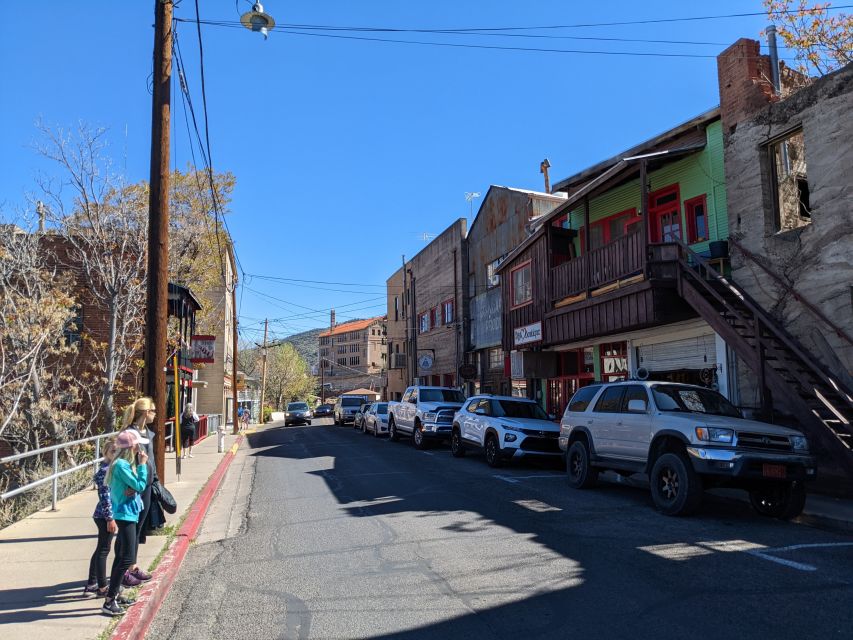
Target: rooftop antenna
{"x": 469, "y": 196}
{"x": 428, "y": 236}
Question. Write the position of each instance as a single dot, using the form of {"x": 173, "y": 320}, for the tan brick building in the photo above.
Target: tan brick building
{"x": 427, "y": 312}
{"x": 354, "y": 355}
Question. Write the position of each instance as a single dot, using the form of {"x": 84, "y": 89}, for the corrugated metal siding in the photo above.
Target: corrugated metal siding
{"x": 697, "y": 174}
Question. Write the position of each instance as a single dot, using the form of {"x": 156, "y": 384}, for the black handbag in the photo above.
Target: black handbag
{"x": 164, "y": 497}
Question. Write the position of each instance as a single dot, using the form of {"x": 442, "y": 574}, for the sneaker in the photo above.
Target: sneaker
{"x": 130, "y": 580}
{"x": 111, "y": 608}
{"x": 191, "y": 455}
{"x": 125, "y": 602}
{"x": 139, "y": 574}
{"x": 91, "y": 587}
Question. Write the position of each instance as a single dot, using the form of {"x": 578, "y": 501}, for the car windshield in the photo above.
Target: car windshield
{"x": 297, "y": 406}
{"x": 441, "y": 395}
{"x": 670, "y": 397}
{"x": 382, "y": 408}
{"x": 515, "y": 409}
{"x": 352, "y": 402}
{"x": 325, "y": 406}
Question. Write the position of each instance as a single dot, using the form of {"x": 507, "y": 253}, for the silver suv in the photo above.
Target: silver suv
{"x": 686, "y": 438}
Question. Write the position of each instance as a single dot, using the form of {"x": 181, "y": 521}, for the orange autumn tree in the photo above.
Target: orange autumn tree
{"x": 820, "y": 38}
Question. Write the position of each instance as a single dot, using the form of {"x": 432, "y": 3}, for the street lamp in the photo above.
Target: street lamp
{"x": 258, "y": 21}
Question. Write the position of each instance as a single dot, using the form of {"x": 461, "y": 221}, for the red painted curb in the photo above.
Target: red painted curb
{"x": 136, "y": 622}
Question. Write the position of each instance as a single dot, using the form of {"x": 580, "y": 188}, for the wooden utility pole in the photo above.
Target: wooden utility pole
{"x": 235, "y": 429}
{"x": 157, "y": 309}
{"x": 264, "y": 369}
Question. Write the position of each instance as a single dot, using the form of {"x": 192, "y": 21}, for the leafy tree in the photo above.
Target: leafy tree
{"x": 822, "y": 42}
{"x": 288, "y": 377}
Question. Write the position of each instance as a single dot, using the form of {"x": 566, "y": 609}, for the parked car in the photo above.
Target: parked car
{"x": 425, "y": 413}
{"x": 504, "y": 427}
{"x": 358, "y": 419}
{"x": 346, "y": 407}
{"x": 376, "y": 421}
{"x": 686, "y": 438}
{"x": 323, "y": 411}
{"x": 297, "y": 413}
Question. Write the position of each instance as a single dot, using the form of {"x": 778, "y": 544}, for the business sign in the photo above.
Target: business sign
{"x": 425, "y": 362}
{"x": 202, "y": 349}
{"x": 527, "y": 334}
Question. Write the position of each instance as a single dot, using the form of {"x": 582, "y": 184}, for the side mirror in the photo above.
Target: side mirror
{"x": 551, "y": 416}
{"x": 636, "y": 406}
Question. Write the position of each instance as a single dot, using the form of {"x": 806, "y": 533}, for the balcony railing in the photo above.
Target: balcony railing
{"x": 614, "y": 261}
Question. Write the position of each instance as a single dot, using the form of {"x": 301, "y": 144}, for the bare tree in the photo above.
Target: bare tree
{"x": 103, "y": 223}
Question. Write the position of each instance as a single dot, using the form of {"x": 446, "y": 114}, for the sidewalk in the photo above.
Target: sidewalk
{"x": 44, "y": 559}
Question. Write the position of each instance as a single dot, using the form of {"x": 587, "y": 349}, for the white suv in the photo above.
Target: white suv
{"x": 504, "y": 427}
{"x": 686, "y": 438}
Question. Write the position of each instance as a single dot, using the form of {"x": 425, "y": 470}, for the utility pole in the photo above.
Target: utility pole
{"x": 157, "y": 303}
{"x": 264, "y": 368}
{"x": 235, "y": 428}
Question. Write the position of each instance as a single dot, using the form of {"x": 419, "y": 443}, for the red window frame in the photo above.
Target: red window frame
{"x": 604, "y": 224}
{"x": 657, "y": 212}
{"x": 436, "y": 381}
{"x": 448, "y": 380}
{"x": 421, "y": 316}
{"x": 444, "y": 305}
{"x": 526, "y": 263}
{"x": 690, "y": 214}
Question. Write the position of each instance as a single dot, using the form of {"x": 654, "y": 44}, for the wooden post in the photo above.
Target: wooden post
{"x": 235, "y": 427}
{"x": 157, "y": 301}
{"x": 587, "y": 243}
{"x": 644, "y": 211}
{"x": 177, "y": 430}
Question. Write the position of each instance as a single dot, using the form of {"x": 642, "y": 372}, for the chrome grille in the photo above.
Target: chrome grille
{"x": 540, "y": 434}
{"x": 445, "y": 416}
{"x": 763, "y": 442}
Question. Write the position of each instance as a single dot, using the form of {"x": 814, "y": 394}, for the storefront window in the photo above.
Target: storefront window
{"x": 519, "y": 388}
{"x": 614, "y": 361}
{"x": 577, "y": 369}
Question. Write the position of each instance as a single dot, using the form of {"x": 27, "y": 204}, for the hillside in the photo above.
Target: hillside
{"x": 305, "y": 344}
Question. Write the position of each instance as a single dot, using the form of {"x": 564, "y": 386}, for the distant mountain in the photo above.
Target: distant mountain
{"x": 305, "y": 344}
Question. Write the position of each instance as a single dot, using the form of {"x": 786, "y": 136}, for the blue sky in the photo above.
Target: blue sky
{"x": 346, "y": 152}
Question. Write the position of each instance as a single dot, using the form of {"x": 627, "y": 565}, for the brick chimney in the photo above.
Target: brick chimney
{"x": 745, "y": 82}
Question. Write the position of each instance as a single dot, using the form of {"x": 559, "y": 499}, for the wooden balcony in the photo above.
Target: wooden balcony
{"x": 615, "y": 261}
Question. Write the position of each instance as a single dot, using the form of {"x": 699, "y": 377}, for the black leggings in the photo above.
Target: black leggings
{"x": 98, "y": 563}
{"x": 142, "y": 527}
{"x": 125, "y": 550}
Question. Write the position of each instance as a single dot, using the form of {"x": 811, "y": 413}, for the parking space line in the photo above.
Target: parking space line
{"x": 788, "y": 563}
{"x": 515, "y": 479}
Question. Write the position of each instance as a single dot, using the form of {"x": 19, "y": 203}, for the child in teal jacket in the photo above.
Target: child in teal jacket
{"x": 127, "y": 478}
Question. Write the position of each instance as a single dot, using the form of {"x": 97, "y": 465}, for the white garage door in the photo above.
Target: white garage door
{"x": 691, "y": 353}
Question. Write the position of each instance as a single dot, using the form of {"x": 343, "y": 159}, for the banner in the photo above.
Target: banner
{"x": 202, "y": 349}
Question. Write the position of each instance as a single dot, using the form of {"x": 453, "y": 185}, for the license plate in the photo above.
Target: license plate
{"x": 774, "y": 471}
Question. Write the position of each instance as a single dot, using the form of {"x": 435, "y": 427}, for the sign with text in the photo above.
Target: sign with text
{"x": 202, "y": 349}
{"x": 527, "y": 334}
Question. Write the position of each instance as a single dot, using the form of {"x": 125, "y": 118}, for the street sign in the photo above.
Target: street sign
{"x": 468, "y": 371}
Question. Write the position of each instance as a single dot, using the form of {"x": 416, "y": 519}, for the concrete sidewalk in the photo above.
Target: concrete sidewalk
{"x": 44, "y": 559}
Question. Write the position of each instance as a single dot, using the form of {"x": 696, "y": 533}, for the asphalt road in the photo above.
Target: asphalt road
{"x": 325, "y": 532}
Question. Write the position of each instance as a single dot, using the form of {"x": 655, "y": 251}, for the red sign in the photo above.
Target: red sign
{"x": 202, "y": 349}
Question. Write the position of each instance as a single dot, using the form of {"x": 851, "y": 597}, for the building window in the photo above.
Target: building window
{"x": 423, "y": 323}
{"x": 612, "y": 228}
{"x": 665, "y": 215}
{"x": 396, "y": 308}
{"x": 696, "y": 211}
{"x": 433, "y": 317}
{"x": 447, "y": 311}
{"x": 521, "y": 285}
{"x": 342, "y": 361}
{"x": 448, "y": 380}
{"x": 790, "y": 182}
{"x": 436, "y": 381}
{"x": 496, "y": 359}
{"x": 342, "y": 348}
{"x": 355, "y": 361}
{"x": 74, "y": 326}
{"x": 493, "y": 278}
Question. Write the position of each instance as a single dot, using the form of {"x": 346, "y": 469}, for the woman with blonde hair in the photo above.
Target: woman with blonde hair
{"x": 138, "y": 417}
{"x": 127, "y": 478}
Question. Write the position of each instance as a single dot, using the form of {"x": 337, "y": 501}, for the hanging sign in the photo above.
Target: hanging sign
{"x": 202, "y": 349}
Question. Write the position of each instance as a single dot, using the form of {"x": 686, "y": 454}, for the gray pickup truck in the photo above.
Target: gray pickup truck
{"x": 686, "y": 439}
{"x": 425, "y": 413}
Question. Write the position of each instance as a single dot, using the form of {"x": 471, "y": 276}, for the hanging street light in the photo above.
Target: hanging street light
{"x": 258, "y": 21}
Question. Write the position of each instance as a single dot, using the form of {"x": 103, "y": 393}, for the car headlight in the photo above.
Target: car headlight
{"x": 430, "y": 417}
{"x": 714, "y": 434}
{"x": 799, "y": 443}
{"x": 511, "y": 428}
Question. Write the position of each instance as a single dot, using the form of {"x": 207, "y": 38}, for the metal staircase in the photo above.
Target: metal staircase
{"x": 819, "y": 401}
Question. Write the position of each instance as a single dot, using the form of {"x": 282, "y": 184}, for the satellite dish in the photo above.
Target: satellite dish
{"x": 642, "y": 373}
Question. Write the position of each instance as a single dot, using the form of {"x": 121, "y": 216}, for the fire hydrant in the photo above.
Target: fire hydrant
{"x": 220, "y": 439}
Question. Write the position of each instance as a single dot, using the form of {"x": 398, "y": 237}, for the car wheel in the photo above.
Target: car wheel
{"x": 581, "y": 475}
{"x": 493, "y": 452}
{"x": 457, "y": 450}
{"x": 418, "y": 437}
{"x": 676, "y": 487}
{"x": 309, "y": 423}
{"x": 392, "y": 431}
{"x": 336, "y": 421}
{"x": 783, "y": 501}
{"x": 375, "y": 431}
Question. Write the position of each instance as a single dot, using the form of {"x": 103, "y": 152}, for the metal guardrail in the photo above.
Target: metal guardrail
{"x": 57, "y": 474}
{"x": 211, "y": 423}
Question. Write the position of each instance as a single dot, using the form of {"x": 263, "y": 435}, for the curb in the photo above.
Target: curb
{"x": 135, "y": 623}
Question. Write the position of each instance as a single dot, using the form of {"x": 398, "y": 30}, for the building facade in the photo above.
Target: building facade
{"x": 426, "y": 299}
{"x": 503, "y": 221}
{"x": 354, "y": 355}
